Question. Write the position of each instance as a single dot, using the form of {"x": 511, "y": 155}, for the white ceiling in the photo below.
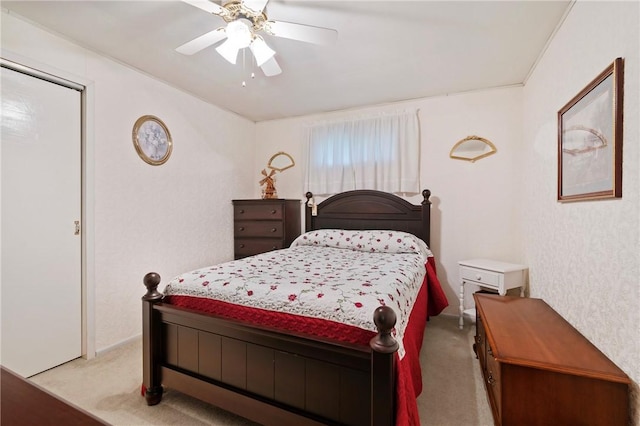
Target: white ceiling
{"x": 386, "y": 51}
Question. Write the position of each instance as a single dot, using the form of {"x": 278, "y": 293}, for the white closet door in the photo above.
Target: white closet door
{"x": 41, "y": 255}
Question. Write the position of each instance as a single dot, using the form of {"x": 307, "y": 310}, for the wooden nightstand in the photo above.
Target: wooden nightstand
{"x": 491, "y": 274}
{"x": 264, "y": 225}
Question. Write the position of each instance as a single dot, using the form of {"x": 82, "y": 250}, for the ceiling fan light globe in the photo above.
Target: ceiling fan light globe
{"x": 229, "y": 51}
{"x": 239, "y": 33}
{"x": 261, "y": 51}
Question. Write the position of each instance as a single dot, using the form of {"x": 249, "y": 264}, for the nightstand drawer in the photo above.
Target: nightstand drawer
{"x": 260, "y": 211}
{"x": 480, "y": 276}
{"x": 248, "y": 247}
{"x": 258, "y": 229}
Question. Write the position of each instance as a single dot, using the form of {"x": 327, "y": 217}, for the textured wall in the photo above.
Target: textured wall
{"x": 584, "y": 257}
{"x": 168, "y": 218}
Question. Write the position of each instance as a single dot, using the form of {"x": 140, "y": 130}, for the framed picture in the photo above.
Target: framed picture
{"x": 152, "y": 140}
{"x": 590, "y": 139}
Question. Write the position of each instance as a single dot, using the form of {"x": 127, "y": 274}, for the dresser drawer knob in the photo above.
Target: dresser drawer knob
{"x": 242, "y": 228}
{"x": 274, "y": 211}
{"x": 241, "y": 245}
{"x": 479, "y": 277}
{"x": 490, "y": 379}
{"x": 273, "y": 229}
{"x": 242, "y": 211}
{"x": 274, "y": 247}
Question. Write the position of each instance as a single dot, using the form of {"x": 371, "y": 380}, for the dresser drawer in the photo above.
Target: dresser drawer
{"x": 494, "y": 383}
{"x": 257, "y": 211}
{"x": 265, "y": 228}
{"x": 480, "y": 344}
{"x": 264, "y": 225}
{"x": 480, "y": 276}
{"x": 248, "y": 247}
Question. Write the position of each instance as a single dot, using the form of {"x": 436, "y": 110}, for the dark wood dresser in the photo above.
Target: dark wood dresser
{"x": 264, "y": 225}
{"x": 539, "y": 370}
{"x": 25, "y": 403}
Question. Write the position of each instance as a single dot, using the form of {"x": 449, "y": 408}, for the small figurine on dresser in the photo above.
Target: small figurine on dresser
{"x": 269, "y": 183}
{"x": 279, "y": 162}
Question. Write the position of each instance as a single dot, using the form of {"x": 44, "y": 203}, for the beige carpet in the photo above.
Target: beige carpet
{"x": 109, "y": 386}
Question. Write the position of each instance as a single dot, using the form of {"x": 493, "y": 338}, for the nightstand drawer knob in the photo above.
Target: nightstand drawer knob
{"x": 242, "y": 228}
{"x": 241, "y": 245}
{"x": 242, "y": 211}
{"x": 274, "y": 211}
{"x": 479, "y": 277}
{"x": 273, "y": 229}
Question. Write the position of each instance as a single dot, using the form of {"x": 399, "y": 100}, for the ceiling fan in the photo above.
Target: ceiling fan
{"x": 245, "y": 19}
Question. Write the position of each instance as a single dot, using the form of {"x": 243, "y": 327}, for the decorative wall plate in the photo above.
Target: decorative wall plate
{"x": 281, "y": 161}
{"x": 472, "y": 148}
{"x": 152, "y": 140}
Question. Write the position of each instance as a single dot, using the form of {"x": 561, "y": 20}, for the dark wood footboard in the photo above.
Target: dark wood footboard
{"x": 265, "y": 375}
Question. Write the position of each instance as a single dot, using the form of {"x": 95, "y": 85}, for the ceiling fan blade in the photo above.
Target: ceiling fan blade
{"x": 271, "y": 67}
{"x": 204, "y": 41}
{"x": 301, "y": 32}
{"x": 207, "y": 6}
{"x": 256, "y": 6}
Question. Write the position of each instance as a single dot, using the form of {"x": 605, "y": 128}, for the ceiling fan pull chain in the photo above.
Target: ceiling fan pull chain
{"x": 244, "y": 84}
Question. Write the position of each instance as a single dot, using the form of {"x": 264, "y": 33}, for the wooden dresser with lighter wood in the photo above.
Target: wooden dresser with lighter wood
{"x": 539, "y": 370}
{"x": 264, "y": 225}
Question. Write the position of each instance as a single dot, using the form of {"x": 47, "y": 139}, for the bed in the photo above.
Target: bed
{"x": 281, "y": 373}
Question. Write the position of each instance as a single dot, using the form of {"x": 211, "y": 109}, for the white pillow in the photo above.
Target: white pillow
{"x": 374, "y": 241}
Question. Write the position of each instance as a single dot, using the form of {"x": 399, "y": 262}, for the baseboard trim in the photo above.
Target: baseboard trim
{"x": 118, "y": 345}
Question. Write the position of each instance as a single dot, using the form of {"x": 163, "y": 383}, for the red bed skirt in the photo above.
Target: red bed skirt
{"x": 431, "y": 301}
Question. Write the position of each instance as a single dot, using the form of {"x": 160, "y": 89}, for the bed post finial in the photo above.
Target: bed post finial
{"x": 309, "y": 196}
{"x": 151, "y": 281}
{"x": 385, "y": 319}
{"x": 425, "y": 195}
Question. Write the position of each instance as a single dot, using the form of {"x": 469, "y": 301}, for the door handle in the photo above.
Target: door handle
{"x": 77, "y": 227}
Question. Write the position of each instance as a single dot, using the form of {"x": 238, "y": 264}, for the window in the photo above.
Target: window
{"x": 381, "y": 152}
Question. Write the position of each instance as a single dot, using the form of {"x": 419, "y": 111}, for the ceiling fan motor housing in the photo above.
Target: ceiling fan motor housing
{"x": 238, "y": 10}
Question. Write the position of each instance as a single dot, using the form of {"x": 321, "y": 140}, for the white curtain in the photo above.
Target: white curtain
{"x": 379, "y": 152}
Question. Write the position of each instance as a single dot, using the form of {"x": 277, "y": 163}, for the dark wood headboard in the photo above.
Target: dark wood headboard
{"x": 369, "y": 209}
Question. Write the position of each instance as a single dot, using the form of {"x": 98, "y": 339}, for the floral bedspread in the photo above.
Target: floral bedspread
{"x": 339, "y": 275}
